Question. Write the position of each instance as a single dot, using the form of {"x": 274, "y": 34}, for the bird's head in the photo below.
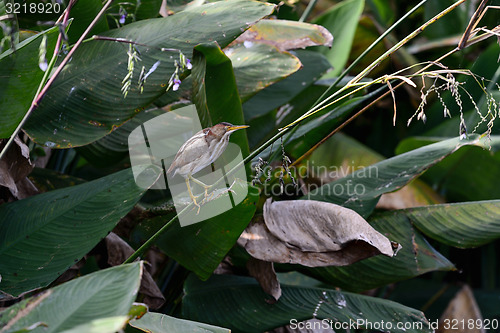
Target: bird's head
{"x": 226, "y": 128}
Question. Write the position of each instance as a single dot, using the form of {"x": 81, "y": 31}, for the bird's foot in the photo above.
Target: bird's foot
{"x": 218, "y": 193}
{"x": 196, "y": 203}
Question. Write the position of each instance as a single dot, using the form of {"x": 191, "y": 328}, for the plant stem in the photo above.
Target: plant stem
{"x": 150, "y": 241}
{"x": 307, "y": 12}
{"x": 362, "y": 55}
{"x": 366, "y": 108}
{"x": 40, "y": 94}
{"x": 405, "y": 40}
{"x": 375, "y": 63}
{"x": 321, "y": 100}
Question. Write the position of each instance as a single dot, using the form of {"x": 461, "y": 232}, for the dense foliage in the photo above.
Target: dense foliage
{"x": 372, "y": 192}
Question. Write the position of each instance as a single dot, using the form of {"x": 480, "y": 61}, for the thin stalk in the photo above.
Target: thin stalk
{"x": 321, "y": 100}
{"x": 368, "y": 49}
{"x": 375, "y": 63}
{"x": 151, "y": 240}
{"x": 308, "y": 10}
{"x": 40, "y": 94}
{"x": 405, "y": 40}
{"x": 307, "y": 153}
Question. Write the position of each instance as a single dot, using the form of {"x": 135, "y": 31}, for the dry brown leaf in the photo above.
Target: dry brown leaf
{"x": 313, "y": 234}
{"x": 264, "y": 273}
{"x": 460, "y": 310}
{"x": 286, "y": 35}
{"x": 118, "y": 251}
{"x": 14, "y": 169}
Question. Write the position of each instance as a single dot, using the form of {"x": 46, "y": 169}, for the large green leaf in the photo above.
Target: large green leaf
{"x": 466, "y": 166}
{"x": 21, "y": 76}
{"x": 341, "y": 20}
{"x": 201, "y": 247}
{"x": 159, "y": 323}
{"x": 462, "y": 225}
{"x": 240, "y": 304}
{"x": 107, "y": 293}
{"x": 314, "y": 130}
{"x": 311, "y": 132}
{"x": 257, "y": 65}
{"x": 361, "y": 189}
{"x": 101, "y": 325}
{"x": 85, "y": 102}
{"x": 314, "y": 65}
{"x": 44, "y": 235}
{"x": 415, "y": 258}
{"x": 341, "y": 155}
{"x": 114, "y": 147}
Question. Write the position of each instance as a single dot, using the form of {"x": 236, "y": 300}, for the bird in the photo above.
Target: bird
{"x": 199, "y": 151}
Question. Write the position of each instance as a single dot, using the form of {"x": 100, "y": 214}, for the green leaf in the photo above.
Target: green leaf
{"x": 47, "y": 180}
{"x": 314, "y": 65}
{"x": 235, "y": 301}
{"x": 147, "y": 9}
{"x": 85, "y": 102}
{"x": 259, "y": 65}
{"x": 341, "y": 155}
{"x": 83, "y": 13}
{"x": 21, "y": 77}
{"x": 114, "y": 147}
{"x": 159, "y": 323}
{"x": 361, "y": 189}
{"x": 314, "y": 130}
{"x": 215, "y": 93}
{"x": 383, "y": 11}
{"x": 106, "y": 293}
{"x": 101, "y": 325}
{"x": 341, "y": 20}
{"x": 462, "y": 225}
{"x": 449, "y": 25}
{"x": 201, "y": 247}
{"x": 42, "y": 236}
{"x": 134, "y": 10}
{"x": 415, "y": 258}
{"x": 464, "y": 167}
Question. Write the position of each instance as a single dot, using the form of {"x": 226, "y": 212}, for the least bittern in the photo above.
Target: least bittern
{"x": 200, "y": 151}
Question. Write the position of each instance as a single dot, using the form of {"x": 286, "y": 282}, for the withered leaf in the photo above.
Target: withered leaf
{"x": 313, "y": 234}
{"x": 462, "y": 308}
{"x": 14, "y": 169}
{"x": 265, "y": 274}
{"x": 118, "y": 251}
{"x": 286, "y": 35}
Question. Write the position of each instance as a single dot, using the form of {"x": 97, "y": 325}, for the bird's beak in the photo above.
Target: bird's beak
{"x": 237, "y": 127}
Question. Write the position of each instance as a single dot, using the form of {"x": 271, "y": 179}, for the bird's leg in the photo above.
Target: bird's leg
{"x": 205, "y": 186}
{"x": 221, "y": 192}
{"x": 192, "y": 196}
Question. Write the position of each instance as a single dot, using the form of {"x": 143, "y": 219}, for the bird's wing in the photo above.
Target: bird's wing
{"x": 192, "y": 149}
